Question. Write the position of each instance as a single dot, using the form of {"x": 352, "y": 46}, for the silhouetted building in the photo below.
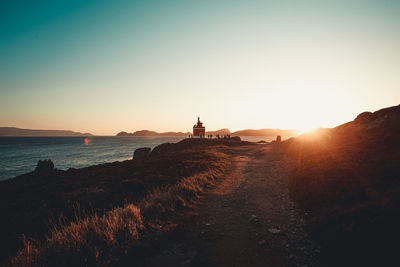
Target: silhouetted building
{"x": 199, "y": 131}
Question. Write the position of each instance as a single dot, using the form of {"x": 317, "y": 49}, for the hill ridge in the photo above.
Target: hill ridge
{"x": 14, "y": 131}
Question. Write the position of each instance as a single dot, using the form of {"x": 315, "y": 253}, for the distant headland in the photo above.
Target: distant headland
{"x": 221, "y": 132}
{"x": 13, "y": 131}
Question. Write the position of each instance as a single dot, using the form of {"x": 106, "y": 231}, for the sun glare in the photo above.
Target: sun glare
{"x": 306, "y": 129}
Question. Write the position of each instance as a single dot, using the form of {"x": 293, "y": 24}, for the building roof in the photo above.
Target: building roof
{"x": 199, "y": 124}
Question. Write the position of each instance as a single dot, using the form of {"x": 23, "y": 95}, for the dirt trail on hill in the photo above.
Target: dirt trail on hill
{"x": 247, "y": 220}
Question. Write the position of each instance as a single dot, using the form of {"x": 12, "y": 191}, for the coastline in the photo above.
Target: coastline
{"x": 19, "y": 155}
{"x": 350, "y": 218}
{"x": 101, "y": 188}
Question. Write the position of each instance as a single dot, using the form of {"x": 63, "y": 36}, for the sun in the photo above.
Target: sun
{"x": 306, "y": 129}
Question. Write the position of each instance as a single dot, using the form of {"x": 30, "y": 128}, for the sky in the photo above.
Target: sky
{"x": 109, "y": 66}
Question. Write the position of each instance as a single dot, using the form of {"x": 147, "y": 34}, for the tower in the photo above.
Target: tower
{"x": 199, "y": 131}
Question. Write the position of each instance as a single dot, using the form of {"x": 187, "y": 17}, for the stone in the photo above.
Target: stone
{"x": 254, "y": 218}
{"x": 142, "y": 152}
{"x": 278, "y": 139}
{"x": 44, "y": 166}
{"x": 163, "y": 148}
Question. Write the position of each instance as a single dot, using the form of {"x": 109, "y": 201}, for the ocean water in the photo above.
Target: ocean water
{"x": 19, "y": 155}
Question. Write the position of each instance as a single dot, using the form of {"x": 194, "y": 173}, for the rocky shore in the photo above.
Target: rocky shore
{"x": 33, "y": 203}
{"x": 325, "y": 198}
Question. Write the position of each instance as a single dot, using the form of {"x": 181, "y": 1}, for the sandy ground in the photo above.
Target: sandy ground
{"x": 247, "y": 220}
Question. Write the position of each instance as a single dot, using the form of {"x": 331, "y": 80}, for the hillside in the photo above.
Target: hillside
{"x": 200, "y": 202}
{"x": 326, "y": 198}
{"x": 46, "y": 201}
{"x": 12, "y": 131}
{"x": 348, "y": 178}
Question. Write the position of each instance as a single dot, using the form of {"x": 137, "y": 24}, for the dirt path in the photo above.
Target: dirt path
{"x": 248, "y": 220}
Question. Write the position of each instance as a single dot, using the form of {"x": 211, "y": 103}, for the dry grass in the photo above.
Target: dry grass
{"x": 164, "y": 201}
{"x": 29, "y": 201}
{"x": 106, "y": 240}
{"x": 89, "y": 241}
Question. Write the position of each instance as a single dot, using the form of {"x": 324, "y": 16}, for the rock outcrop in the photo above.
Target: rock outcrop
{"x": 364, "y": 117}
{"x": 160, "y": 149}
{"x": 142, "y": 152}
{"x": 44, "y": 166}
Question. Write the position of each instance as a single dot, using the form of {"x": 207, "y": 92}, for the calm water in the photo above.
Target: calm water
{"x": 19, "y": 155}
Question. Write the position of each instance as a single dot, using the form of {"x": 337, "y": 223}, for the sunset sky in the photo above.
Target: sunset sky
{"x": 107, "y": 66}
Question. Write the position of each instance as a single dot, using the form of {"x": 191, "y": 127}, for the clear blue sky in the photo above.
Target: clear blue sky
{"x": 107, "y": 66}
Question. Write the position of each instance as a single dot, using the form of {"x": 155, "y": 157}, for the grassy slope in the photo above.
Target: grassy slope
{"x": 125, "y": 203}
{"x": 349, "y": 178}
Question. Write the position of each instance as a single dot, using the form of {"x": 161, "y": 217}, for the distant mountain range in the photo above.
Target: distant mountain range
{"x": 225, "y": 131}
{"x": 152, "y": 133}
{"x": 13, "y": 131}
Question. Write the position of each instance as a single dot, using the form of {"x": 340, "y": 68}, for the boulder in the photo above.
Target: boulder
{"x": 161, "y": 149}
{"x": 44, "y": 166}
{"x": 142, "y": 152}
{"x": 254, "y": 218}
{"x": 278, "y": 139}
{"x": 364, "y": 117}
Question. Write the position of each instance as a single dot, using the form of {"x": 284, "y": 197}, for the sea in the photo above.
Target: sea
{"x": 19, "y": 155}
